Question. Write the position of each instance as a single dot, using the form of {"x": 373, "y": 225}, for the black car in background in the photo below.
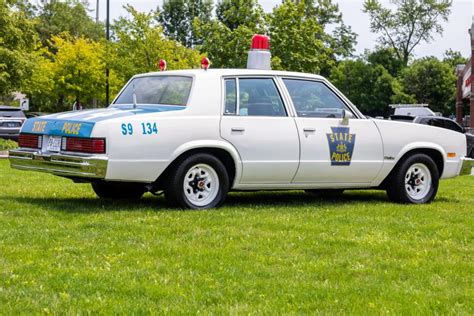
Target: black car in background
{"x": 442, "y": 122}
{"x": 11, "y": 120}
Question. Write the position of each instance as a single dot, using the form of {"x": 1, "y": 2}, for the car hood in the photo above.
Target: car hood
{"x": 81, "y": 123}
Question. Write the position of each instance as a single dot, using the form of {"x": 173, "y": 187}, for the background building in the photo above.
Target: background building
{"x": 465, "y": 88}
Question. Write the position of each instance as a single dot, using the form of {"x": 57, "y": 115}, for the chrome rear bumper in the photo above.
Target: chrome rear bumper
{"x": 467, "y": 165}
{"x": 67, "y": 165}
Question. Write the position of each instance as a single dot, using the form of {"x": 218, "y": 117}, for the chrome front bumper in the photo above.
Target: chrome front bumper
{"x": 67, "y": 165}
{"x": 467, "y": 165}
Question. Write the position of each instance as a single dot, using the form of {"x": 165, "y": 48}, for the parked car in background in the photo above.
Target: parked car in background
{"x": 11, "y": 121}
{"x": 441, "y": 122}
{"x": 34, "y": 114}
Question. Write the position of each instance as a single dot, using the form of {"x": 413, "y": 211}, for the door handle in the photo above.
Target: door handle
{"x": 309, "y": 130}
{"x": 237, "y": 129}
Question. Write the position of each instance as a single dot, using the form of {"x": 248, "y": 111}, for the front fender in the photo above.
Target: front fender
{"x": 420, "y": 145}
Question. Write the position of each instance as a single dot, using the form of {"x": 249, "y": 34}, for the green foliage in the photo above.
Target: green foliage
{"x": 64, "y": 251}
{"x": 7, "y": 144}
{"x": 226, "y": 40}
{"x": 177, "y": 18}
{"x": 76, "y": 72}
{"x": 454, "y": 58}
{"x": 235, "y": 13}
{"x": 56, "y": 17}
{"x": 225, "y": 48}
{"x": 140, "y": 44}
{"x": 370, "y": 87}
{"x": 342, "y": 40}
{"x": 413, "y": 22}
{"x": 387, "y": 58}
{"x": 431, "y": 81}
{"x": 298, "y": 40}
{"x": 17, "y": 40}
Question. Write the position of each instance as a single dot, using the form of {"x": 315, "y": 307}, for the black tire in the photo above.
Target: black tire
{"x": 326, "y": 193}
{"x": 175, "y": 185}
{"x": 118, "y": 190}
{"x": 397, "y": 190}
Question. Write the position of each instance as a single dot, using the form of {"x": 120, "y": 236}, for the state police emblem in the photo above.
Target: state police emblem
{"x": 341, "y": 145}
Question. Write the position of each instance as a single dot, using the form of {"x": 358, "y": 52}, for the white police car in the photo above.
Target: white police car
{"x": 196, "y": 134}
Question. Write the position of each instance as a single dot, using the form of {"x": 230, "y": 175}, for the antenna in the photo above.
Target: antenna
{"x": 134, "y": 97}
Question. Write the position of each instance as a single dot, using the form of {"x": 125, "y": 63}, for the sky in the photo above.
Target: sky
{"x": 455, "y": 35}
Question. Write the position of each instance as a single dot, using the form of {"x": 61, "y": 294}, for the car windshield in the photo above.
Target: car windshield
{"x": 167, "y": 90}
{"x": 11, "y": 113}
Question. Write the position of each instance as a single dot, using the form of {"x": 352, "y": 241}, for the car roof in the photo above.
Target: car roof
{"x": 9, "y": 108}
{"x": 229, "y": 72}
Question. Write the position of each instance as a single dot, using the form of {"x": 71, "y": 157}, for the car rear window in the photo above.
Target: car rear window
{"x": 12, "y": 113}
{"x": 163, "y": 90}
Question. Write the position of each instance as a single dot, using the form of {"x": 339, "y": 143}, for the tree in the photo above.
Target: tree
{"x": 431, "y": 81}
{"x": 226, "y": 39}
{"x": 342, "y": 39}
{"x": 413, "y": 22}
{"x": 17, "y": 40}
{"x": 454, "y": 58}
{"x": 235, "y": 13}
{"x": 56, "y": 17}
{"x": 177, "y": 18}
{"x": 76, "y": 72}
{"x": 371, "y": 88}
{"x": 298, "y": 40}
{"x": 387, "y": 57}
{"x": 140, "y": 44}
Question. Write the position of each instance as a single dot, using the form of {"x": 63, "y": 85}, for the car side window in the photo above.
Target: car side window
{"x": 314, "y": 99}
{"x": 230, "y": 97}
{"x": 453, "y": 126}
{"x": 259, "y": 97}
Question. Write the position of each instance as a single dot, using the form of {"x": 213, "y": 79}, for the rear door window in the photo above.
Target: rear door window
{"x": 259, "y": 97}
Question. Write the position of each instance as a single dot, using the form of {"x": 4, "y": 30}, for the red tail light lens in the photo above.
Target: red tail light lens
{"x": 30, "y": 140}
{"x": 85, "y": 145}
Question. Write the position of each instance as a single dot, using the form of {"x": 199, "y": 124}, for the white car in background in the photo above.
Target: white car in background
{"x": 198, "y": 134}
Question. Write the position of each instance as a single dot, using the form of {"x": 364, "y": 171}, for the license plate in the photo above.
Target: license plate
{"x": 54, "y": 143}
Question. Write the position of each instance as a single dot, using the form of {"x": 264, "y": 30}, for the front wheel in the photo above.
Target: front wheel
{"x": 198, "y": 182}
{"x": 414, "y": 181}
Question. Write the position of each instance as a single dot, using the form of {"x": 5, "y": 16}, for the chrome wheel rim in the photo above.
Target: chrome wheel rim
{"x": 201, "y": 185}
{"x": 418, "y": 181}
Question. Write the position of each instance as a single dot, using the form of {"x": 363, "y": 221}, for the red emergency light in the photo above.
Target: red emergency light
{"x": 259, "y": 56}
{"x": 205, "y": 62}
{"x": 260, "y": 42}
{"x": 162, "y": 64}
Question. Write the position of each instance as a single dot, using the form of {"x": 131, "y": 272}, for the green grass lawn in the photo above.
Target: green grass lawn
{"x": 62, "y": 250}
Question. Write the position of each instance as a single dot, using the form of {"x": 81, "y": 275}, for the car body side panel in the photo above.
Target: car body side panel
{"x": 399, "y": 138}
{"x": 136, "y": 155}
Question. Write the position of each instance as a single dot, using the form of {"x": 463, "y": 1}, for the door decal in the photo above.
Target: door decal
{"x": 341, "y": 146}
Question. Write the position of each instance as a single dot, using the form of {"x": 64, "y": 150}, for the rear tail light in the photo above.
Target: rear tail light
{"x": 30, "y": 140}
{"x": 84, "y": 145}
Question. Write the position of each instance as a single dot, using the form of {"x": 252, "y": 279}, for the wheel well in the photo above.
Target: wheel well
{"x": 432, "y": 153}
{"x": 219, "y": 153}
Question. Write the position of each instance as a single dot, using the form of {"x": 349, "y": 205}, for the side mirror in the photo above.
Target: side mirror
{"x": 345, "y": 117}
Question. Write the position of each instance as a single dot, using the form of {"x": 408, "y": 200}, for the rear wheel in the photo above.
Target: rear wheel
{"x": 198, "y": 182}
{"x": 118, "y": 190}
{"x": 414, "y": 181}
